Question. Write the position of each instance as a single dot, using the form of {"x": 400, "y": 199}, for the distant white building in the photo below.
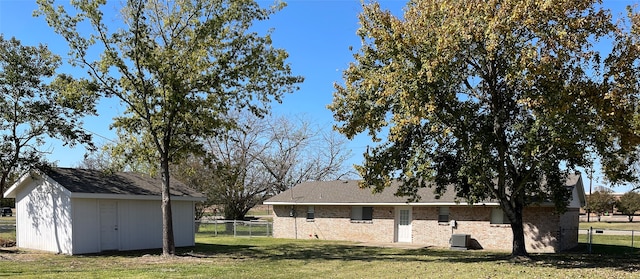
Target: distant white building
{"x": 79, "y": 211}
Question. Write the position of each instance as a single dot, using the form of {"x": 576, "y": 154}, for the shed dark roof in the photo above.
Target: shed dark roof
{"x": 348, "y": 192}
{"x": 121, "y": 183}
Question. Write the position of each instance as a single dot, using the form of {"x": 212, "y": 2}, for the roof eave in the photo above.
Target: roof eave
{"x": 13, "y": 190}
{"x": 133, "y": 197}
{"x": 543, "y": 204}
{"x": 382, "y": 203}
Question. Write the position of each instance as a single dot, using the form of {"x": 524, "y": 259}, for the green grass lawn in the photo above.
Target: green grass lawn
{"x": 260, "y": 212}
{"x": 7, "y": 235}
{"x": 254, "y": 229}
{"x": 265, "y": 257}
{"x": 602, "y": 243}
{"x": 242, "y": 257}
{"x": 611, "y": 225}
{"x": 7, "y": 220}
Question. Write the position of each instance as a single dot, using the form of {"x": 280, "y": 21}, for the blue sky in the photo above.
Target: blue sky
{"x": 316, "y": 34}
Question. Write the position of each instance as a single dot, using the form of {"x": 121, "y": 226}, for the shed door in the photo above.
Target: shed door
{"x": 403, "y": 224}
{"x": 108, "y": 225}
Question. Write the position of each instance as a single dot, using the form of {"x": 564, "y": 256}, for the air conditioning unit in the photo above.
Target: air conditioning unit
{"x": 460, "y": 241}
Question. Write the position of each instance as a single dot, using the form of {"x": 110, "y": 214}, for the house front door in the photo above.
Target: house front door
{"x": 108, "y": 225}
{"x": 403, "y": 224}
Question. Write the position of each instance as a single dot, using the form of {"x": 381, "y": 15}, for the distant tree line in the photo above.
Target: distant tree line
{"x": 603, "y": 202}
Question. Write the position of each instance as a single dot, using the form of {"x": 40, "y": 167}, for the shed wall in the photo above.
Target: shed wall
{"x": 184, "y": 223}
{"x": 86, "y": 226}
{"x": 139, "y": 224}
{"x": 43, "y": 217}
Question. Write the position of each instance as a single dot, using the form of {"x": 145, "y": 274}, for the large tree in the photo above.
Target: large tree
{"x": 629, "y": 204}
{"x": 266, "y": 156}
{"x": 178, "y": 67}
{"x": 296, "y": 150}
{"x": 36, "y": 104}
{"x": 600, "y": 202}
{"x": 502, "y": 99}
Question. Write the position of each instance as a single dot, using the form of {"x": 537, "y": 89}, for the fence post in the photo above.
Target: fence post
{"x": 632, "y": 231}
{"x": 590, "y": 238}
{"x": 215, "y": 226}
{"x": 235, "y": 228}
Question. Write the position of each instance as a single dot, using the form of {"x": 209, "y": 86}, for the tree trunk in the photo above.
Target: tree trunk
{"x": 514, "y": 213}
{"x": 229, "y": 227}
{"x": 518, "y": 249}
{"x": 168, "y": 244}
{"x": 3, "y": 180}
{"x": 230, "y": 217}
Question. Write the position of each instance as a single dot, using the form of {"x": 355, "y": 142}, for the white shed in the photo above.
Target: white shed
{"x": 79, "y": 211}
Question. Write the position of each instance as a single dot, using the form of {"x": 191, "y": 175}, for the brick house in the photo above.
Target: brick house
{"x": 340, "y": 210}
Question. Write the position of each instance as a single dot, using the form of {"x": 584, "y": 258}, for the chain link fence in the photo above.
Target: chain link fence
{"x": 236, "y": 228}
{"x": 610, "y": 240}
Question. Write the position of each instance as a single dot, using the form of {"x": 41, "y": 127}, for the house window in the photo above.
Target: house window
{"x": 443, "y": 215}
{"x": 361, "y": 213}
{"x": 499, "y": 217}
{"x": 310, "y": 213}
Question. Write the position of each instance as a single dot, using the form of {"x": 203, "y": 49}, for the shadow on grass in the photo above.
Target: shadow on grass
{"x": 603, "y": 256}
{"x": 612, "y": 257}
{"x": 343, "y": 252}
{"x": 200, "y": 251}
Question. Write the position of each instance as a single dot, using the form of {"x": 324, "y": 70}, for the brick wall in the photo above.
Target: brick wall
{"x": 333, "y": 223}
{"x": 542, "y": 226}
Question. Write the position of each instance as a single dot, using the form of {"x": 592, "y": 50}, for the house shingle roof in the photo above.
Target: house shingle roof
{"x": 348, "y": 192}
{"x": 121, "y": 183}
